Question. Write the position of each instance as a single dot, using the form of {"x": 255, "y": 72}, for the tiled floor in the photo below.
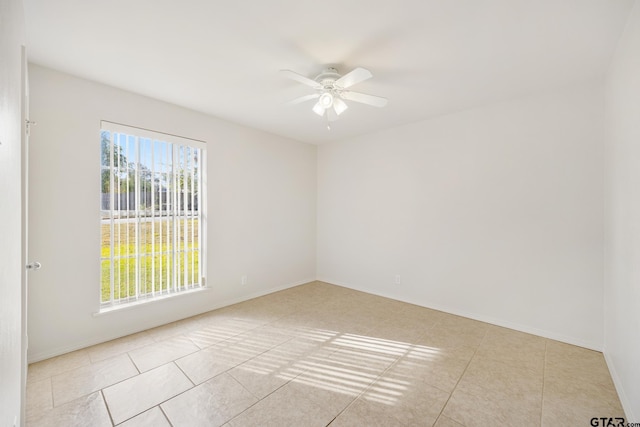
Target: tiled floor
{"x": 319, "y": 354}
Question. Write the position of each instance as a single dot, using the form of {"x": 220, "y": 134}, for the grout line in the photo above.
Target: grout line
{"x": 192, "y": 341}
{"x": 55, "y": 374}
{"x": 297, "y": 360}
{"x": 170, "y": 398}
{"x": 107, "y": 407}
{"x": 459, "y": 379}
{"x": 242, "y": 385}
{"x": 134, "y": 363}
{"x": 544, "y": 372}
{"x": 367, "y": 388}
{"x": 256, "y": 402}
{"x": 53, "y": 397}
{"x": 185, "y": 374}
{"x": 50, "y": 388}
{"x": 129, "y": 378}
{"x": 166, "y": 417}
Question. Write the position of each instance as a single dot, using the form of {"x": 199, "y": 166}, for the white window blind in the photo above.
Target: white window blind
{"x": 152, "y": 214}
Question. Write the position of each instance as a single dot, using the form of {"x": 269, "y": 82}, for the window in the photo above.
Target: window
{"x": 151, "y": 214}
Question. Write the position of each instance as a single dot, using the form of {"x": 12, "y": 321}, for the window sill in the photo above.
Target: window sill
{"x": 136, "y": 304}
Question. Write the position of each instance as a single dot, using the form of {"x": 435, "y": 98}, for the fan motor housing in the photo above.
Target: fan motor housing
{"x": 328, "y": 77}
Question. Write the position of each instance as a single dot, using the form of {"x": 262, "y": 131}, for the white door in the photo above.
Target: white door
{"x": 29, "y": 265}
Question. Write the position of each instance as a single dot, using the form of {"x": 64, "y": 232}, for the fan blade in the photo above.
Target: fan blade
{"x": 303, "y": 99}
{"x": 376, "y": 101}
{"x": 300, "y": 78}
{"x": 318, "y": 109}
{"x": 356, "y": 76}
{"x": 339, "y": 105}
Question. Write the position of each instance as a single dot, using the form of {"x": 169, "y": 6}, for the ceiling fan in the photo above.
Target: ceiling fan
{"x": 331, "y": 91}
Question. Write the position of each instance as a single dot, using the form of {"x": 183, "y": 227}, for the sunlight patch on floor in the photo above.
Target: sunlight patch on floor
{"x": 350, "y": 364}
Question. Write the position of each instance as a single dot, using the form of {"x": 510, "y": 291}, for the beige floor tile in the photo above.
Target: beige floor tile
{"x": 331, "y": 394}
{"x": 211, "y": 317}
{"x": 299, "y": 300}
{"x": 214, "y": 360}
{"x": 274, "y": 368}
{"x": 513, "y": 348}
{"x": 86, "y": 411}
{"x": 173, "y": 329}
{"x": 87, "y": 379}
{"x": 318, "y": 354}
{"x": 465, "y": 323}
{"x": 39, "y": 397}
{"x": 426, "y": 316}
{"x": 485, "y": 377}
{"x": 216, "y": 330}
{"x": 439, "y": 368}
{"x": 514, "y": 393}
{"x": 323, "y": 337}
{"x": 389, "y": 402}
{"x": 577, "y": 400}
{"x": 118, "y": 346}
{"x": 211, "y": 361}
{"x": 267, "y": 372}
{"x": 334, "y": 382}
{"x": 410, "y": 388}
{"x": 263, "y": 309}
{"x": 302, "y": 322}
{"x": 501, "y": 336}
{"x": 591, "y": 387}
{"x": 151, "y": 418}
{"x": 138, "y": 394}
{"x": 368, "y": 344}
{"x": 154, "y": 355}
{"x": 212, "y": 403}
{"x": 285, "y": 407}
{"x": 263, "y": 338}
{"x": 57, "y": 365}
{"x": 319, "y": 292}
{"x": 568, "y": 361}
{"x": 311, "y": 342}
{"x": 512, "y": 356}
{"x": 367, "y": 358}
{"x": 441, "y": 372}
{"x": 269, "y": 312}
{"x": 359, "y": 320}
{"x": 472, "y": 411}
{"x": 454, "y": 340}
{"x": 447, "y": 422}
{"x": 403, "y": 329}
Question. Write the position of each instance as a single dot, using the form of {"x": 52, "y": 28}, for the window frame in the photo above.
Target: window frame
{"x": 177, "y": 216}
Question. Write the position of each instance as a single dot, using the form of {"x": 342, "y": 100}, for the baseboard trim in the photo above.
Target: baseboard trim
{"x": 37, "y": 357}
{"x": 482, "y": 318}
{"x": 624, "y": 400}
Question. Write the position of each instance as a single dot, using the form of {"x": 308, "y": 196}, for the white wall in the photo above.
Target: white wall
{"x": 622, "y": 219}
{"x": 493, "y": 213}
{"x": 11, "y": 363}
{"x": 261, "y": 207}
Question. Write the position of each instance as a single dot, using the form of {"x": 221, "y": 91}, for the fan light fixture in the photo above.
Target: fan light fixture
{"x": 331, "y": 91}
{"x": 326, "y": 100}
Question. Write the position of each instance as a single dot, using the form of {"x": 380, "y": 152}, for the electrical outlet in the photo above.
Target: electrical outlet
{"x": 397, "y": 281}
{"x": 243, "y": 280}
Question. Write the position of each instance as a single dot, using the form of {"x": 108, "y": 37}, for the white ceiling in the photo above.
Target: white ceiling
{"x": 428, "y": 57}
